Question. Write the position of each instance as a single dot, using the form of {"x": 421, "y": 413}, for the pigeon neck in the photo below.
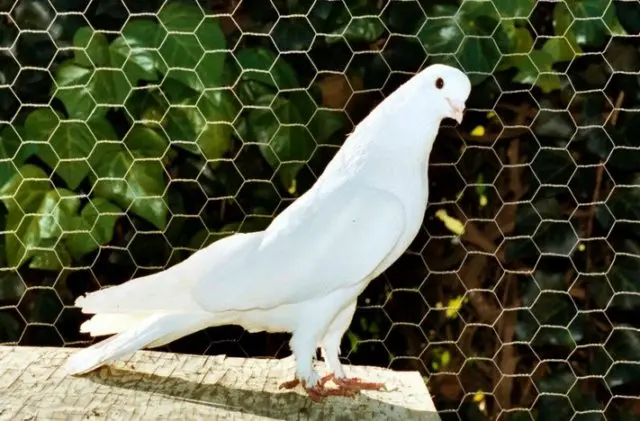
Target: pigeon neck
{"x": 398, "y": 135}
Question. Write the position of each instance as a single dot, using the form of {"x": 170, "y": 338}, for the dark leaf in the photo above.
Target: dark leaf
{"x": 68, "y": 144}
{"x": 72, "y": 81}
{"x": 218, "y": 108}
{"x": 558, "y": 381}
{"x": 361, "y": 29}
{"x": 478, "y": 55}
{"x": 12, "y": 155}
{"x": 269, "y": 72}
{"x": 97, "y": 222}
{"x": 145, "y": 142}
{"x": 325, "y": 124}
{"x": 553, "y": 166}
{"x": 292, "y": 34}
{"x": 130, "y": 183}
{"x": 281, "y": 143}
{"x": 624, "y": 203}
{"x": 441, "y": 35}
{"x": 623, "y": 279}
{"x": 134, "y": 49}
{"x": 554, "y": 125}
{"x": 514, "y": 8}
{"x": 623, "y": 344}
{"x": 52, "y": 211}
{"x": 180, "y": 16}
{"x": 478, "y": 18}
{"x": 24, "y": 191}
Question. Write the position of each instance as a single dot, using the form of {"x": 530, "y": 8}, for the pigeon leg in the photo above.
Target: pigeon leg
{"x": 331, "y": 353}
{"x": 302, "y": 345}
{"x": 331, "y": 341}
{"x": 330, "y": 325}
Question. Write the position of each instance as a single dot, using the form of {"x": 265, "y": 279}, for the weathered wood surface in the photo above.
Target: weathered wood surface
{"x": 165, "y": 386}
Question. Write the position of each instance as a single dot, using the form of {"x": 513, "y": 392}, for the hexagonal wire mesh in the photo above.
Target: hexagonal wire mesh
{"x": 135, "y": 133}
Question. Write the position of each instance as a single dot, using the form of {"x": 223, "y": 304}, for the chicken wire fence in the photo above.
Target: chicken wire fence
{"x": 135, "y": 133}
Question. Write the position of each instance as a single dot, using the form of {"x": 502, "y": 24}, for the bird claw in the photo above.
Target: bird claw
{"x": 319, "y": 392}
{"x": 290, "y": 384}
{"x": 353, "y": 384}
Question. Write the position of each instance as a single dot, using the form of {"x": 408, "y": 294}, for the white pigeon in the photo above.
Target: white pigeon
{"x": 304, "y": 272}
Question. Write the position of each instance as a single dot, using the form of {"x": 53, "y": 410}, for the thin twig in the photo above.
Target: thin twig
{"x": 599, "y": 176}
{"x": 616, "y": 108}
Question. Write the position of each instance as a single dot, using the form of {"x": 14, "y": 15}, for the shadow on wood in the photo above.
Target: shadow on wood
{"x": 158, "y": 385}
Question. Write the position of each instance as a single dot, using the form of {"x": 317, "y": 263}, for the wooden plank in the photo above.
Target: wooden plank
{"x": 166, "y": 386}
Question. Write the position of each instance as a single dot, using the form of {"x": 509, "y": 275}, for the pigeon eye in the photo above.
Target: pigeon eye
{"x": 439, "y": 83}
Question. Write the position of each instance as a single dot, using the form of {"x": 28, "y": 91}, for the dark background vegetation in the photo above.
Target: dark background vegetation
{"x": 129, "y": 141}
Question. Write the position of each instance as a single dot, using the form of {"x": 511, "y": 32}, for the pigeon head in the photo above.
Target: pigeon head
{"x": 442, "y": 89}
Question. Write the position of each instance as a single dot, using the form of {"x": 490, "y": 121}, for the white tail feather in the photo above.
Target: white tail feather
{"x": 109, "y": 324}
{"x": 155, "y": 330}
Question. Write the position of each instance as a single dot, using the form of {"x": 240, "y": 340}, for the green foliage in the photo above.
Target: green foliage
{"x": 128, "y": 142}
{"x": 191, "y": 115}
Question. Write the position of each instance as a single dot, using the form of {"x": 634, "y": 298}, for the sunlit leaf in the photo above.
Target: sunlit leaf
{"x": 132, "y": 184}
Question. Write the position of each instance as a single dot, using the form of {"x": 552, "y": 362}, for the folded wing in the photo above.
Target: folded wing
{"x": 331, "y": 241}
{"x": 321, "y": 243}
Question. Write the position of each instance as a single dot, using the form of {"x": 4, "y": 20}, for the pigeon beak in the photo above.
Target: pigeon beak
{"x": 457, "y": 110}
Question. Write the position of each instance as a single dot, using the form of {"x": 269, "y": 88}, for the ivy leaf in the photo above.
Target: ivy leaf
{"x": 519, "y": 39}
{"x": 622, "y": 278}
{"x": 107, "y": 84}
{"x": 71, "y": 143}
{"x": 145, "y": 142}
{"x": 41, "y": 228}
{"x": 97, "y": 222}
{"x": 187, "y": 50}
{"x": 180, "y": 17}
{"x": 270, "y": 71}
{"x": 441, "y": 35}
{"x": 202, "y": 125}
{"x": 622, "y": 345}
{"x": 478, "y": 55}
{"x": 559, "y": 49}
{"x": 587, "y": 8}
{"x": 68, "y": 143}
{"x": 147, "y": 104}
{"x": 292, "y": 34}
{"x": 132, "y": 184}
{"x": 624, "y": 202}
{"x": 211, "y": 69}
{"x": 555, "y": 237}
{"x": 360, "y": 29}
{"x": 326, "y": 123}
{"x": 40, "y": 123}
{"x": 553, "y": 126}
{"x": 55, "y": 257}
{"x": 218, "y": 109}
{"x": 92, "y": 48}
{"x": 211, "y": 35}
{"x": 12, "y": 155}
{"x": 553, "y": 166}
{"x": 288, "y": 145}
{"x": 73, "y": 90}
{"x": 611, "y": 20}
{"x": 181, "y": 50}
{"x": 514, "y": 8}
{"x": 24, "y": 191}
{"x": 135, "y": 49}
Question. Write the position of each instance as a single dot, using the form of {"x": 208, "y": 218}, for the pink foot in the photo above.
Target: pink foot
{"x": 354, "y": 384}
{"x": 319, "y": 392}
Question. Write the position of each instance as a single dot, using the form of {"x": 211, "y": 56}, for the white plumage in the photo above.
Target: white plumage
{"x": 303, "y": 273}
